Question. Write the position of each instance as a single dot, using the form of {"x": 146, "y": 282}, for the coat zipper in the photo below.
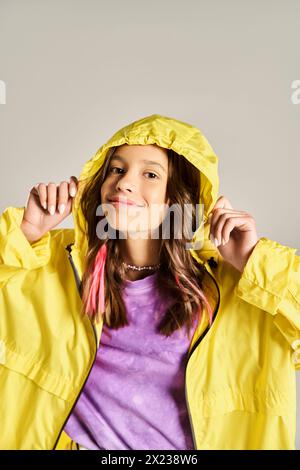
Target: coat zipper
{"x": 189, "y": 356}
{"x": 78, "y": 283}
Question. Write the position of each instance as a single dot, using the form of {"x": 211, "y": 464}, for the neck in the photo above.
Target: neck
{"x": 140, "y": 252}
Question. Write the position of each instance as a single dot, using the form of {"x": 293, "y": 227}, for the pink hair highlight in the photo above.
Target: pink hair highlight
{"x": 97, "y": 291}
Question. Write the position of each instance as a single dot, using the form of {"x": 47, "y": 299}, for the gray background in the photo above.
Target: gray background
{"x": 77, "y": 71}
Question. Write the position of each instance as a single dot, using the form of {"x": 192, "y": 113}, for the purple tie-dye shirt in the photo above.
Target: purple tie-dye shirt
{"x": 134, "y": 397}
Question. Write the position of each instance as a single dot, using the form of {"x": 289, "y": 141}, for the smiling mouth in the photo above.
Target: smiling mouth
{"x": 123, "y": 203}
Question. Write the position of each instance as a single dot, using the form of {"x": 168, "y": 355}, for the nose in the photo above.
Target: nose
{"x": 125, "y": 183}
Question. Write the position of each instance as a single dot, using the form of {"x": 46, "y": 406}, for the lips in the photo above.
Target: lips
{"x": 123, "y": 201}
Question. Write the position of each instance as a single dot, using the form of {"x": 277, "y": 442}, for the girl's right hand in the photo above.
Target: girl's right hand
{"x": 42, "y": 208}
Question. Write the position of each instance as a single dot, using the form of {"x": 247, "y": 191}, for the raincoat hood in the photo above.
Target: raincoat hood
{"x": 170, "y": 133}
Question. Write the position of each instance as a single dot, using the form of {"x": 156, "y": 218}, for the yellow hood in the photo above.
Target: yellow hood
{"x": 167, "y": 132}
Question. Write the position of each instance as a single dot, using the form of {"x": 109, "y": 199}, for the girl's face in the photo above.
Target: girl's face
{"x": 137, "y": 174}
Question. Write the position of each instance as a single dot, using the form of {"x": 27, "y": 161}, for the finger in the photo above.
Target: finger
{"x": 42, "y": 192}
{"x": 216, "y": 231}
{"x": 227, "y": 229}
{"x": 223, "y": 202}
{"x": 242, "y": 223}
{"x": 51, "y": 197}
{"x": 221, "y": 210}
{"x": 73, "y": 186}
{"x": 215, "y": 217}
{"x": 63, "y": 196}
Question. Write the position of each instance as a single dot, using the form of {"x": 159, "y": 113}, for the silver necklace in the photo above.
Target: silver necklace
{"x": 140, "y": 268}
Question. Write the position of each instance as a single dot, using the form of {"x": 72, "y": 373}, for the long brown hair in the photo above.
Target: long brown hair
{"x": 177, "y": 262}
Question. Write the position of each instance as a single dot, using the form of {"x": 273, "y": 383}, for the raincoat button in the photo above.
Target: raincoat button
{"x": 296, "y": 344}
{"x": 296, "y": 356}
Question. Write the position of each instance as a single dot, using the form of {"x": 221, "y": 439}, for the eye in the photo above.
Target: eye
{"x": 150, "y": 173}
{"x": 114, "y": 168}
{"x": 147, "y": 173}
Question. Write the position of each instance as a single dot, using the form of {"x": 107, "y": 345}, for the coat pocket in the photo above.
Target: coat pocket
{"x": 35, "y": 370}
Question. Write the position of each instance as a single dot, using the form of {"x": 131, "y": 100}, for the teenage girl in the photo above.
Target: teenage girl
{"x": 146, "y": 329}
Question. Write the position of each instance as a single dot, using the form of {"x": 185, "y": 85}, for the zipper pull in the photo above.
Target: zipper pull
{"x": 212, "y": 262}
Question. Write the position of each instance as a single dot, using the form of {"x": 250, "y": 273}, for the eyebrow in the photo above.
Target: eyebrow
{"x": 150, "y": 162}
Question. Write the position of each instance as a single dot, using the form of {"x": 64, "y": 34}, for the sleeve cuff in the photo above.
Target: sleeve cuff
{"x": 15, "y": 248}
{"x": 264, "y": 280}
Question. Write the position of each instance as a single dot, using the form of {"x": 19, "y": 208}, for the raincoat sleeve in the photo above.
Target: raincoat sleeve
{"x": 271, "y": 281}
{"x": 16, "y": 252}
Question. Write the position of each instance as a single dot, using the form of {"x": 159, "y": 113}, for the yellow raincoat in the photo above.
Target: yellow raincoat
{"x": 240, "y": 377}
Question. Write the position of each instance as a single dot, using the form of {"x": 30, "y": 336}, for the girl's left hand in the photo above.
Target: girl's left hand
{"x": 237, "y": 231}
